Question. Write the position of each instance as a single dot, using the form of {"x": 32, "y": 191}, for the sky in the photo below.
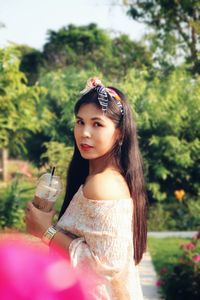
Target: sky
{"x": 27, "y": 21}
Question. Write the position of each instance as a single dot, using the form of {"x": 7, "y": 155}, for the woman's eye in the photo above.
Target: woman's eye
{"x": 79, "y": 122}
{"x": 96, "y": 124}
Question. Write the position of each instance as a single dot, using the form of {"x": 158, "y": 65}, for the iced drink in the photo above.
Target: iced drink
{"x": 47, "y": 191}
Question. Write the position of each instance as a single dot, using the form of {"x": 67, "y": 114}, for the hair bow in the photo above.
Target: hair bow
{"x": 95, "y": 83}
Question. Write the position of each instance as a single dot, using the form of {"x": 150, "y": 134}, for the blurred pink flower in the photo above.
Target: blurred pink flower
{"x": 196, "y": 258}
{"x": 28, "y": 272}
{"x": 163, "y": 270}
{"x": 159, "y": 282}
{"x": 188, "y": 246}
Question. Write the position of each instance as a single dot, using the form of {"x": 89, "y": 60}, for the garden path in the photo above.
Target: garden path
{"x": 148, "y": 278}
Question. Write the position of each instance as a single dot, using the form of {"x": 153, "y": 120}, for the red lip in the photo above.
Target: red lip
{"x": 86, "y": 147}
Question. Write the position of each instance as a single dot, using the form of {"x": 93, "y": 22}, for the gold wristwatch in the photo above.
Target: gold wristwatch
{"x": 48, "y": 235}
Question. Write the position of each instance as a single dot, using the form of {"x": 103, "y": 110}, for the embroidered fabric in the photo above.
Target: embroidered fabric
{"x": 103, "y": 246}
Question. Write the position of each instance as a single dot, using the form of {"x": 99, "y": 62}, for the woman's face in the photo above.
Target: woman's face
{"x": 95, "y": 134}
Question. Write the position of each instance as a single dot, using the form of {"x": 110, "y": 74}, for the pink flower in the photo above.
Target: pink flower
{"x": 159, "y": 282}
{"x": 163, "y": 270}
{"x": 188, "y": 246}
{"x": 196, "y": 258}
{"x": 28, "y": 272}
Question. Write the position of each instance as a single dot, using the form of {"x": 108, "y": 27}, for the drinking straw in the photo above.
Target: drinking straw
{"x": 52, "y": 172}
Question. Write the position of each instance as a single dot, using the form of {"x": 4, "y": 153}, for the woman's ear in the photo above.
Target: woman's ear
{"x": 118, "y": 135}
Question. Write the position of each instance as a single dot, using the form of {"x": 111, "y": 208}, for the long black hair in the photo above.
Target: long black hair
{"x": 127, "y": 157}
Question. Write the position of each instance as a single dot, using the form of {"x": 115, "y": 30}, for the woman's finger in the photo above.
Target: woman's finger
{"x": 29, "y": 205}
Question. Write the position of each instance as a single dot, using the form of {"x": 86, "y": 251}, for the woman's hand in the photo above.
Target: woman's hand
{"x": 37, "y": 221}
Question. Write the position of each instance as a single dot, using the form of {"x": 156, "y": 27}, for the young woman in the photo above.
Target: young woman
{"x": 102, "y": 222}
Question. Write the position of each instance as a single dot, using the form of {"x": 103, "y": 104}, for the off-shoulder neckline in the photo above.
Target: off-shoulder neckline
{"x": 103, "y": 200}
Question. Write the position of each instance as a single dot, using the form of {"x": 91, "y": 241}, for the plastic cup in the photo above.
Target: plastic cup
{"x": 47, "y": 192}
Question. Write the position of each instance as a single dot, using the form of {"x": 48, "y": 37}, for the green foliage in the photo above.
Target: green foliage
{"x": 183, "y": 214}
{"x": 167, "y": 111}
{"x": 12, "y": 206}
{"x": 20, "y": 112}
{"x": 182, "y": 282}
{"x": 194, "y": 213}
{"x": 64, "y": 88}
{"x": 128, "y": 54}
{"x": 86, "y": 47}
{"x": 31, "y": 63}
{"x": 58, "y": 155}
{"x": 76, "y": 44}
{"x": 160, "y": 219}
{"x": 176, "y": 25}
{"x": 174, "y": 215}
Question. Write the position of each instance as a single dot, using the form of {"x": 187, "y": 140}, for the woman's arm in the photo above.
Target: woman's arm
{"x": 37, "y": 223}
{"x": 61, "y": 240}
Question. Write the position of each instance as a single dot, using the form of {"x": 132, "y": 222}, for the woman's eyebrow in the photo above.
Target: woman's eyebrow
{"x": 97, "y": 119}
{"x": 93, "y": 119}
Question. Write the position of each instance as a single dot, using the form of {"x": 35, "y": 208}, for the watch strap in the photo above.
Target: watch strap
{"x": 48, "y": 235}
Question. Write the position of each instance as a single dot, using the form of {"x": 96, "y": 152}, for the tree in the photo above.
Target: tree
{"x": 76, "y": 45}
{"x": 31, "y": 63}
{"x": 89, "y": 47}
{"x": 20, "y": 113}
{"x": 128, "y": 54}
{"x": 167, "y": 110}
{"x": 177, "y": 20}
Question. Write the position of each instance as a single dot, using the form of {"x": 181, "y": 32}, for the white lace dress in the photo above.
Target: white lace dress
{"x": 103, "y": 245}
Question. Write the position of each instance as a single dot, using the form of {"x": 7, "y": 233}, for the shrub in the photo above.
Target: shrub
{"x": 180, "y": 214}
{"x": 12, "y": 207}
{"x": 183, "y": 281}
{"x": 186, "y": 213}
{"x": 194, "y": 212}
{"x": 160, "y": 219}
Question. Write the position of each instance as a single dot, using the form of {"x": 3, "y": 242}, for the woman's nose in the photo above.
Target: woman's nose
{"x": 86, "y": 132}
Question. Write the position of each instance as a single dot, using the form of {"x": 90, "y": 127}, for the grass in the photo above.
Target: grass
{"x": 165, "y": 252}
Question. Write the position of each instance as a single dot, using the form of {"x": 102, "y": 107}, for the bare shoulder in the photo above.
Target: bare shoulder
{"x": 106, "y": 186}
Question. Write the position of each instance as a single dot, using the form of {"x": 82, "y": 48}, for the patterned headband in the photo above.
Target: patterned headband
{"x": 95, "y": 83}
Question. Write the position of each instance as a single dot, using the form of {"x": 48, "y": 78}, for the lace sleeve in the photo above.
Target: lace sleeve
{"x": 106, "y": 239}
